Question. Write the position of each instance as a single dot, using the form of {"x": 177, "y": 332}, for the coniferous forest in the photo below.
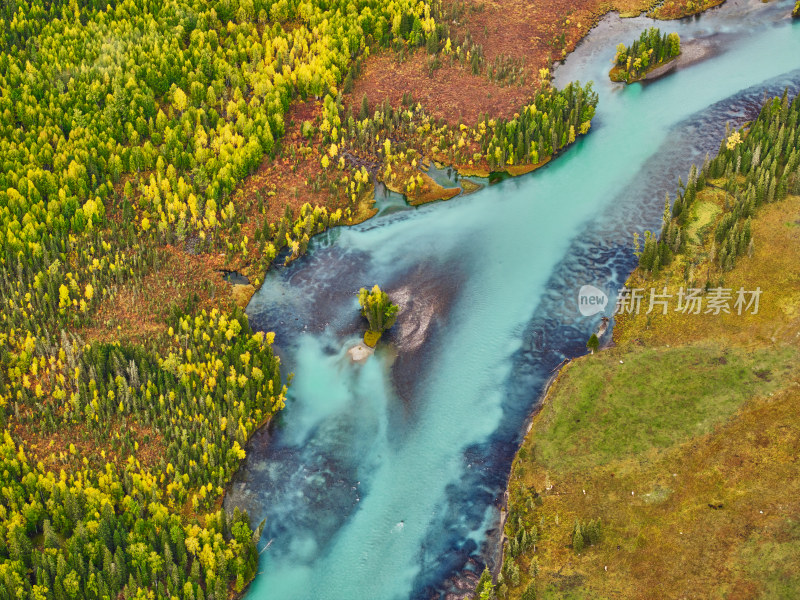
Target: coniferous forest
{"x": 125, "y": 127}
{"x": 754, "y": 167}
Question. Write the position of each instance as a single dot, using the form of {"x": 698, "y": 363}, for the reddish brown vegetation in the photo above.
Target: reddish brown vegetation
{"x": 139, "y": 311}
{"x": 53, "y": 450}
{"x": 452, "y": 93}
{"x": 284, "y": 180}
{"x": 534, "y": 32}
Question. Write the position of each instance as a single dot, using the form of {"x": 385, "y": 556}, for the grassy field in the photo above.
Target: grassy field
{"x": 605, "y": 411}
{"x": 682, "y": 438}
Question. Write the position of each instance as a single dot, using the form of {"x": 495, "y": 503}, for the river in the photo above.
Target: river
{"x": 383, "y": 480}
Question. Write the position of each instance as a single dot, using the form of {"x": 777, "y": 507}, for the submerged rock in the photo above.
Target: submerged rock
{"x": 417, "y": 313}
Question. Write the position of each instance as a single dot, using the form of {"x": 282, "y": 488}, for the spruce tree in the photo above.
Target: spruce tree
{"x": 577, "y": 537}
{"x": 530, "y": 592}
{"x": 484, "y": 583}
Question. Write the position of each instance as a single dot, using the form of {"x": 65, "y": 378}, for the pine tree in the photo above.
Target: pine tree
{"x": 484, "y": 583}
{"x": 577, "y": 538}
{"x": 530, "y": 592}
{"x": 533, "y": 569}
{"x": 593, "y": 344}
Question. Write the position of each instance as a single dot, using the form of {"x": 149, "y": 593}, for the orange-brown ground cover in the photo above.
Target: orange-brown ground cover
{"x": 537, "y": 33}
{"x": 54, "y": 450}
{"x": 284, "y": 179}
{"x": 453, "y": 93}
{"x": 140, "y": 311}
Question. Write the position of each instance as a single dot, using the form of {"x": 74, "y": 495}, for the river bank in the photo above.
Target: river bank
{"x": 657, "y": 71}
{"x": 503, "y": 34}
{"x": 692, "y": 53}
{"x": 665, "y": 436}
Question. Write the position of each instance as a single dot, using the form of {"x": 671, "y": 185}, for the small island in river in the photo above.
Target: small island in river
{"x": 379, "y": 311}
{"x": 653, "y": 49}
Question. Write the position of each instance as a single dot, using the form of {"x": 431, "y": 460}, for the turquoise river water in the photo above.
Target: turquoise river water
{"x": 383, "y": 480}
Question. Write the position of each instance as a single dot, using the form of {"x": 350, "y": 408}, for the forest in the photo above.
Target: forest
{"x": 755, "y": 166}
{"x": 125, "y": 128}
{"x": 653, "y": 48}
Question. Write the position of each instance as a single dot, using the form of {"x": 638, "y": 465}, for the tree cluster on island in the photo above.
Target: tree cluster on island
{"x": 377, "y": 308}
{"x": 653, "y": 48}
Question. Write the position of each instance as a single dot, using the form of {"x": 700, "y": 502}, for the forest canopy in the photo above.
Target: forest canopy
{"x": 126, "y": 126}
{"x": 757, "y": 166}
